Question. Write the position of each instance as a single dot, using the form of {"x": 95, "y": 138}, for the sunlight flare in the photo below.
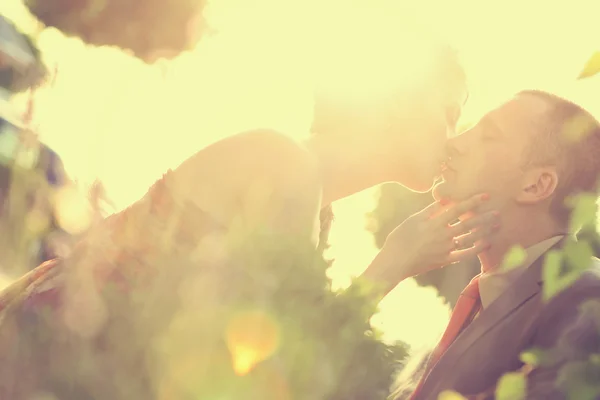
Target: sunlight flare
{"x": 252, "y": 337}
{"x": 72, "y": 210}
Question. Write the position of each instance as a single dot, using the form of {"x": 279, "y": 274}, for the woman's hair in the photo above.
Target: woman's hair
{"x": 326, "y": 217}
{"x": 342, "y": 103}
{"x": 408, "y": 378}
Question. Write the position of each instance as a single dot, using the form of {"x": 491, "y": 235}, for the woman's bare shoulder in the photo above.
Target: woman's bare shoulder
{"x": 227, "y": 169}
{"x": 260, "y": 151}
{"x": 263, "y": 146}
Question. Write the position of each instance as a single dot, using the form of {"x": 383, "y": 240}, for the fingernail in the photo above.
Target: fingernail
{"x": 496, "y": 213}
{"x": 485, "y": 197}
{"x": 495, "y": 227}
{"x": 443, "y": 202}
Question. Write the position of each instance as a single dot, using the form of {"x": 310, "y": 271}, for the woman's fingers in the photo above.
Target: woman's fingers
{"x": 465, "y": 254}
{"x": 442, "y": 244}
{"x": 470, "y": 233}
{"x": 432, "y": 210}
{"x": 470, "y": 239}
{"x": 451, "y": 213}
{"x": 483, "y": 222}
{"x": 456, "y": 211}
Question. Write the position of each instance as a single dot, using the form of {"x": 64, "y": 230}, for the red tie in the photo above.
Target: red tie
{"x": 467, "y": 306}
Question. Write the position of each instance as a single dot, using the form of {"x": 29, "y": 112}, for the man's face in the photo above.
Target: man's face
{"x": 421, "y": 139}
{"x": 489, "y": 157}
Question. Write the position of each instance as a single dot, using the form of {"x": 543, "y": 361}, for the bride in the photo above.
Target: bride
{"x": 186, "y": 248}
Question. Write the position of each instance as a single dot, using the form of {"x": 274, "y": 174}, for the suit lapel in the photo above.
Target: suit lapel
{"x": 527, "y": 286}
{"x": 523, "y": 290}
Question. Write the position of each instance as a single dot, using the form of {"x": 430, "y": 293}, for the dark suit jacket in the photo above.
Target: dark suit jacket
{"x": 517, "y": 321}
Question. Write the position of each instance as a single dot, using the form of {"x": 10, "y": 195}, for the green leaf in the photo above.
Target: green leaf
{"x": 512, "y": 386}
{"x": 537, "y": 357}
{"x": 578, "y": 381}
{"x": 534, "y": 357}
{"x": 529, "y": 358}
{"x": 514, "y": 258}
{"x": 554, "y": 282}
{"x": 578, "y": 255}
{"x": 578, "y": 127}
{"x": 450, "y": 395}
{"x": 584, "y": 212}
{"x": 551, "y": 273}
{"x": 9, "y": 142}
{"x": 592, "y": 66}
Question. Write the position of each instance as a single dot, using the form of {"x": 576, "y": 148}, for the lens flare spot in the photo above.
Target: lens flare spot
{"x": 72, "y": 210}
{"x": 244, "y": 359}
{"x": 252, "y": 337}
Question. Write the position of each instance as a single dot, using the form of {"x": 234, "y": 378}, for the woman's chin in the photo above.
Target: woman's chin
{"x": 420, "y": 187}
{"x": 419, "y": 183}
{"x": 441, "y": 191}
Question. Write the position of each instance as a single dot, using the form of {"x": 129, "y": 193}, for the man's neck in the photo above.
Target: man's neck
{"x": 518, "y": 234}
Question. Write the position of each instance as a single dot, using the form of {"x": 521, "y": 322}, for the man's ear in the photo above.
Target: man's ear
{"x": 537, "y": 184}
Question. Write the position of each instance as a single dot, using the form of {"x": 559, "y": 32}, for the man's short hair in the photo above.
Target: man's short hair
{"x": 569, "y": 137}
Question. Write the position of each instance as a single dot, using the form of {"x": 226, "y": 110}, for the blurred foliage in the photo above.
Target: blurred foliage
{"x": 150, "y": 29}
{"x": 24, "y": 221}
{"x": 397, "y": 203}
{"x": 514, "y": 258}
{"x": 19, "y": 74}
{"x": 33, "y": 185}
{"x": 203, "y": 315}
{"x": 27, "y": 208}
{"x": 450, "y": 395}
{"x": 512, "y": 386}
{"x": 578, "y": 379}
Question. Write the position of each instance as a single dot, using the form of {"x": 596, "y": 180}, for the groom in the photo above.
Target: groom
{"x": 524, "y": 155}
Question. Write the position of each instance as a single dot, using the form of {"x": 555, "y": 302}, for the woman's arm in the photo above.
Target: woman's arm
{"x": 430, "y": 239}
{"x": 385, "y": 272}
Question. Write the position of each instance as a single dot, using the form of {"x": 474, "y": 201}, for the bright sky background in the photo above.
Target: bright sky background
{"x": 112, "y": 117}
